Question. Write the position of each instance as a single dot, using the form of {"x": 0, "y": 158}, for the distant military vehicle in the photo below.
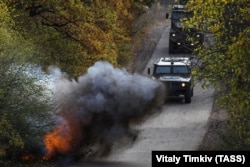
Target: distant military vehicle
{"x": 183, "y": 38}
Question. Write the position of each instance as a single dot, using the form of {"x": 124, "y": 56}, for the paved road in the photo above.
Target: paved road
{"x": 177, "y": 126}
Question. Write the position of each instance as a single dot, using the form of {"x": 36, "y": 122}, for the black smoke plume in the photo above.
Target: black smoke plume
{"x": 97, "y": 109}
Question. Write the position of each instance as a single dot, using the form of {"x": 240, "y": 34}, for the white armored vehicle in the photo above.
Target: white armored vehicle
{"x": 175, "y": 73}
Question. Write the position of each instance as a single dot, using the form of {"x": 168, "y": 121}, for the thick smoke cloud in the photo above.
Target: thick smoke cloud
{"x": 98, "y": 107}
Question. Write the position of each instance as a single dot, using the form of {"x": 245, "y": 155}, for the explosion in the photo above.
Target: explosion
{"x": 97, "y": 109}
{"x": 58, "y": 141}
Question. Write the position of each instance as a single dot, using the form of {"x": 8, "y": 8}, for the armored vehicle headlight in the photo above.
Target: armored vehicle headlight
{"x": 198, "y": 35}
{"x": 173, "y": 35}
{"x": 183, "y": 84}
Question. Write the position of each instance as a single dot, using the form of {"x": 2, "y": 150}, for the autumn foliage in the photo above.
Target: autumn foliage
{"x": 75, "y": 34}
{"x": 224, "y": 60}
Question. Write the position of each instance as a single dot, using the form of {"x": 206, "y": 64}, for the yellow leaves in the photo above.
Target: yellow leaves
{"x": 226, "y": 60}
{"x": 94, "y": 38}
{"x": 215, "y": 28}
{"x": 225, "y": 1}
{"x": 63, "y": 31}
{"x": 5, "y": 19}
{"x": 239, "y": 51}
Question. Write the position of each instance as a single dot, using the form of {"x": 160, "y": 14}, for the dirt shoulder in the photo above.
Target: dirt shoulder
{"x": 216, "y": 126}
{"x": 148, "y": 30}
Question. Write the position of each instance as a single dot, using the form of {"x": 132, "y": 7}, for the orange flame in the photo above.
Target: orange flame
{"x": 28, "y": 157}
{"x": 58, "y": 141}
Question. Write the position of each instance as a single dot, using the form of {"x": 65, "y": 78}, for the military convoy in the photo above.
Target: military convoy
{"x": 174, "y": 71}
{"x": 183, "y": 38}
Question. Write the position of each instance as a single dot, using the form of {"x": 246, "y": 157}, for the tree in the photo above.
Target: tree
{"x": 225, "y": 59}
{"x": 25, "y": 110}
{"x": 75, "y": 34}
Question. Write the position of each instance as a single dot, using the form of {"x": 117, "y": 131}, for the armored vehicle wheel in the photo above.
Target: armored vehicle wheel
{"x": 192, "y": 92}
{"x": 188, "y": 96}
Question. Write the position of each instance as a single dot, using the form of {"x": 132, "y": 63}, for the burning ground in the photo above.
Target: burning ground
{"x": 96, "y": 110}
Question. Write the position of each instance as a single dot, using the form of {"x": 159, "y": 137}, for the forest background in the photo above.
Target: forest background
{"x": 74, "y": 34}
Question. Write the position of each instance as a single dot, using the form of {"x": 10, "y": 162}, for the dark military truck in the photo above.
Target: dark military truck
{"x": 183, "y": 38}
{"x": 175, "y": 73}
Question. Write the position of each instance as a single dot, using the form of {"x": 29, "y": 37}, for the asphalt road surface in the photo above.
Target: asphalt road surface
{"x": 177, "y": 126}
